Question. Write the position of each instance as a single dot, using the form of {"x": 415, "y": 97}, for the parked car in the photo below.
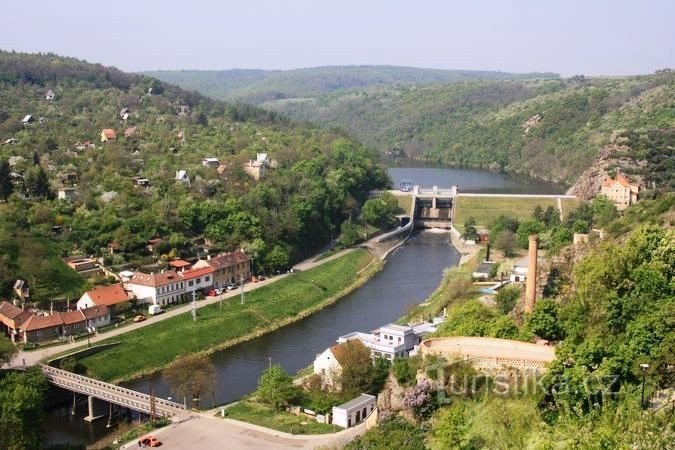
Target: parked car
{"x": 139, "y": 318}
{"x": 150, "y": 441}
{"x": 212, "y": 293}
{"x": 231, "y": 287}
{"x": 155, "y": 309}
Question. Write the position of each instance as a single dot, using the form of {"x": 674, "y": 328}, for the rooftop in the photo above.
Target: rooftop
{"x": 108, "y": 295}
{"x": 357, "y": 402}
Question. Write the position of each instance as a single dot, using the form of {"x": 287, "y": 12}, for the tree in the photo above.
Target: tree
{"x": 191, "y": 376}
{"x": 275, "y": 387}
{"x": 470, "y": 232}
{"x": 6, "y": 186}
{"x": 526, "y": 228}
{"x": 37, "y": 183}
{"x": 506, "y": 242}
{"x": 356, "y": 375}
{"x": 449, "y": 427}
{"x": 277, "y": 259}
{"x": 506, "y": 298}
{"x": 544, "y": 320}
{"x": 21, "y": 409}
{"x": 380, "y": 211}
{"x": 349, "y": 234}
{"x": 7, "y": 350}
{"x": 393, "y": 433}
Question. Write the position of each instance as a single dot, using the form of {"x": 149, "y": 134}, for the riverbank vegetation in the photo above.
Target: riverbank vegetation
{"x": 21, "y": 408}
{"x": 265, "y": 309}
{"x": 266, "y": 416}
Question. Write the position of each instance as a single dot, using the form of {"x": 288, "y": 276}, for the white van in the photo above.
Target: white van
{"x": 155, "y": 309}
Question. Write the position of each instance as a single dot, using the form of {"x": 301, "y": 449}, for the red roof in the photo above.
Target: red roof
{"x": 196, "y": 273}
{"x": 156, "y": 279}
{"x": 228, "y": 259}
{"x": 108, "y": 295}
{"x": 179, "y": 263}
{"x": 72, "y": 317}
{"x": 94, "y": 312}
{"x": 108, "y": 133}
{"x": 620, "y": 178}
{"x": 10, "y": 311}
{"x": 42, "y": 322}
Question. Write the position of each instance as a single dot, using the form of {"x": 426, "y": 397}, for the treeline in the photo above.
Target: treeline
{"x": 317, "y": 178}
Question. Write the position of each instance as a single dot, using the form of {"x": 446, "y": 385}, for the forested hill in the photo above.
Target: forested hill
{"x": 317, "y": 177}
{"x": 258, "y": 86}
{"x": 551, "y": 129}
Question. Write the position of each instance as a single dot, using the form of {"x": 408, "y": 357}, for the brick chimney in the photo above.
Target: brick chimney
{"x": 531, "y": 285}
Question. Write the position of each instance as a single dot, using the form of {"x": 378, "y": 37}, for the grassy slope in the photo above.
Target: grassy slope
{"x": 265, "y": 416}
{"x": 486, "y": 209}
{"x": 152, "y": 347}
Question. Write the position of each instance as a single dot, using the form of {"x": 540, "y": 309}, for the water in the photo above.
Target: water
{"x": 410, "y": 275}
{"x": 471, "y": 181}
{"x": 383, "y": 299}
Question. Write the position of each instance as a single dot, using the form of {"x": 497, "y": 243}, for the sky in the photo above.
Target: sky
{"x": 590, "y": 37}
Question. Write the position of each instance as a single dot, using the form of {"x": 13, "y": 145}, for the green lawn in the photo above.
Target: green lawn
{"x": 404, "y": 202}
{"x": 151, "y": 348}
{"x": 486, "y": 209}
{"x": 263, "y": 415}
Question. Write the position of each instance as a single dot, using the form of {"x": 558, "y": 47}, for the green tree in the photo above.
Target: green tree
{"x": 526, "y": 228}
{"x": 37, "y": 183}
{"x": 277, "y": 259}
{"x": 380, "y": 211}
{"x": 6, "y": 186}
{"x": 21, "y": 409}
{"x": 357, "y": 373}
{"x": 470, "y": 232}
{"x": 506, "y": 242}
{"x": 7, "y": 350}
{"x": 507, "y": 297}
{"x": 191, "y": 376}
{"x": 349, "y": 234}
{"x": 396, "y": 433}
{"x": 275, "y": 387}
{"x": 450, "y": 427}
{"x": 544, "y": 320}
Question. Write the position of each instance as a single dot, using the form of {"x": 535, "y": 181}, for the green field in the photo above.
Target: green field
{"x": 153, "y": 347}
{"x": 263, "y": 415}
{"x": 486, "y": 209}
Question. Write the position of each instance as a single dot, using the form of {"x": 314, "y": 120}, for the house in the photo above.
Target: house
{"x": 519, "y": 271}
{"x": 483, "y": 270}
{"x": 197, "y": 280}
{"x": 12, "y": 319}
{"x": 162, "y": 288}
{"x": 258, "y": 169}
{"x": 183, "y": 110}
{"x": 228, "y": 268}
{"x": 620, "y": 191}
{"x": 21, "y": 290}
{"x": 84, "y": 145}
{"x": 392, "y": 340}
{"x": 66, "y": 193}
{"x": 210, "y": 162}
{"x": 142, "y": 182}
{"x": 330, "y": 362}
{"x": 108, "y": 134}
{"x": 152, "y": 243}
{"x": 87, "y": 267}
{"x": 129, "y": 132}
{"x": 10, "y": 141}
{"x": 113, "y": 296}
{"x": 41, "y": 328}
{"x": 125, "y": 113}
{"x": 96, "y": 317}
{"x": 354, "y": 411}
{"x": 50, "y": 95}
{"x": 183, "y": 177}
{"x": 28, "y": 118}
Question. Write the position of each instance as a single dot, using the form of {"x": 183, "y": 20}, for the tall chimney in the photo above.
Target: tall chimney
{"x": 531, "y": 286}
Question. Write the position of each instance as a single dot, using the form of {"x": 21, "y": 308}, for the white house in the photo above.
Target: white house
{"x": 110, "y": 296}
{"x": 66, "y": 193}
{"x": 210, "y": 162}
{"x": 390, "y": 341}
{"x": 28, "y": 118}
{"x": 519, "y": 272}
{"x": 329, "y": 363}
{"x": 354, "y": 411}
{"x": 183, "y": 177}
{"x": 483, "y": 270}
{"x": 158, "y": 289}
{"x": 49, "y": 95}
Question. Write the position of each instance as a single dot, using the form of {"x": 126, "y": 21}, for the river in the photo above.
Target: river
{"x": 410, "y": 275}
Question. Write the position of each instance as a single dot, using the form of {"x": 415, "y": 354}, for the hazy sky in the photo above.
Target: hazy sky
{"x": 611, "y": 37}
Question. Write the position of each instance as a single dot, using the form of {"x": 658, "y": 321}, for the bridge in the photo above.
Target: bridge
{"x": 492, "y": 353}
{"x": 111, "y": 393}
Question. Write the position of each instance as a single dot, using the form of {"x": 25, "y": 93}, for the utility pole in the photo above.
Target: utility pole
{"x": 241, "y": 288}
{"x": 194, "y": 306}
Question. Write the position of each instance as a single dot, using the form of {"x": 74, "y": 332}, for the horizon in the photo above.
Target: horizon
{"x": 567, "y": 38}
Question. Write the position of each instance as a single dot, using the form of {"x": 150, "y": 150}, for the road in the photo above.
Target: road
{"x": 30, "y": 358}
{"x": 211, "y": 433}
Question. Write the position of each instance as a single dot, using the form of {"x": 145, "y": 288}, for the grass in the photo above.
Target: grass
{"x": 404, "y": 202}
{"x": 486, "y": 209}
{"x": 263, "y": 415}
{"x": 148, "y": 349}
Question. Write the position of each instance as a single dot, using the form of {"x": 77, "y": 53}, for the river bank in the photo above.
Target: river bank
{"x": 149, "y": 350}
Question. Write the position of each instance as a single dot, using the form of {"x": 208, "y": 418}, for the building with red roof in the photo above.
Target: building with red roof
{"x": 113, "y": 296}
{"x": 228, "y": 268}
{"x": 621, "y": 191}
{"x": 169, "y": 287}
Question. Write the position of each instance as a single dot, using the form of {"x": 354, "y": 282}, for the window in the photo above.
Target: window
{"x": 190, "y": 283}
{"x": 199, "y": 280}
{"x": 207, "y": 278}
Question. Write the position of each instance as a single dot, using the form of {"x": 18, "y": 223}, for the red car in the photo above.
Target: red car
{"x": 149, "y": 441}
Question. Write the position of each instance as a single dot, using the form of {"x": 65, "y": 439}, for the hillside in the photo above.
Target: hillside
{"x": 316, "y": 179}
{"x": 258, "y": 86}
{"x": 550, "y": 129}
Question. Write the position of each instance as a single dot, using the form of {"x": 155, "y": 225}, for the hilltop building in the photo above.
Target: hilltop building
{"x": 257, "y": 168}
{"x": 621, "y": 191}
{"x": 108, "y": 134}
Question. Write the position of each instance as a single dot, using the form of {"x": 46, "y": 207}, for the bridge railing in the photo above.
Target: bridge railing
{"x": 108, "y": 391}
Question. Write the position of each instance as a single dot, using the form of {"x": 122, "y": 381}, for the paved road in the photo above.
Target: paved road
{"x": 212, "y": 433}
{"x": 30, "y": 358}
